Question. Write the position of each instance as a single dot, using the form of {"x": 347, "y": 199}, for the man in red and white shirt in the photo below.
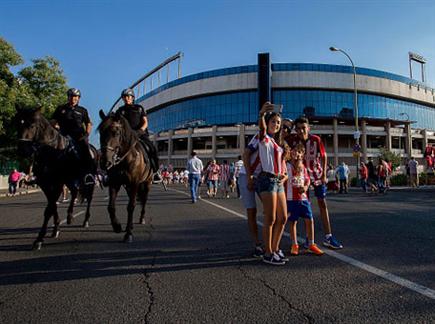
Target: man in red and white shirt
{"x": 224, "y": 177}
{"x": 315, "y": 162}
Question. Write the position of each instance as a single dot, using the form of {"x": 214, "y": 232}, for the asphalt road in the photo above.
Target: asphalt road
{"x": 191, "y": 264}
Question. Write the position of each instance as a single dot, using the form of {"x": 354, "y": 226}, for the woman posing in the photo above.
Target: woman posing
{"x": 270, "y": 184}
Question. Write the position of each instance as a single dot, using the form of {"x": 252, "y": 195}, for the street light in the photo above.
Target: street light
{"x": 355, "y": 102}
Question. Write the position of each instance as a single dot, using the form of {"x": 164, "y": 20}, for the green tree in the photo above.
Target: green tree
{"x": 8, "y": 85}
{"x": 44, "y": 83}
{"x": 394, "y": 158}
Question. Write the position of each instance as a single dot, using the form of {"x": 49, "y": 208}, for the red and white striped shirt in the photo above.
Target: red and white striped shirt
{"x": 255, "y": 165}
{"x": 314, "y": 152}
{"x": 271, "y": 156}
{"x": 295, "y": 181}
{"x": 224, "y": 173}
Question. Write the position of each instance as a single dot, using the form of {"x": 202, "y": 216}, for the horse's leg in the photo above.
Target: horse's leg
{"x": 56, "y": 219}
{"x": 89, "y": 194}
{"x": 113, "y": 193}
{"x": 48, "y": 212}
{"x": 132, "y": 193}
{"x": 69, "y": 217}
{"x": 145, "y": 189}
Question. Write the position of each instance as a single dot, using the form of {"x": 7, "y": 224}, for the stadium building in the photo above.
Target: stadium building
{"x": 215, "y": 112}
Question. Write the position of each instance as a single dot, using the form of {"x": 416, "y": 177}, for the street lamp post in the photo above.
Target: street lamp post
{"x": 355, "y": 105}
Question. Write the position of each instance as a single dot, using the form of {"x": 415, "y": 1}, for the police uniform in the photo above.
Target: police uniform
{"x": 73, "y": 122}
{"x": 134, "y": 115}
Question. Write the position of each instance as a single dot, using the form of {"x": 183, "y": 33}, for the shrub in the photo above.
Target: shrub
{"x": 399, "y": 180}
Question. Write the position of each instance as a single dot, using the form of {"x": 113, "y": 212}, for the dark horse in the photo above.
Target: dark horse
{"x": 127, "y": 163}
{"x": 55, "y": 163}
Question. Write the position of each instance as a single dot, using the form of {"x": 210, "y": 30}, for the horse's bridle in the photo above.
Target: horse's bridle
{"x": 115, "y": 159}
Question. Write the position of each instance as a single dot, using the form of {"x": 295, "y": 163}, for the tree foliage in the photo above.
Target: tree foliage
{"x": 41, "y": 84}
{"x": 44, "y": 83}
{"x": 394, "y": 158}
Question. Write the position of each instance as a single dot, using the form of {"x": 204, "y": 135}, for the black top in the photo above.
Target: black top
{"x": 134, "y": 115}
{"x": 72, "y": 120}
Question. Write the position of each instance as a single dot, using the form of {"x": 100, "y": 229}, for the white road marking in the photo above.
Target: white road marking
{"x": 74, "y": 216}
{"x": 425, "y": 291}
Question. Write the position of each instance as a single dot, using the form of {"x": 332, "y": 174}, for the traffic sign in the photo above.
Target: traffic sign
{"x": 356, "y": 135}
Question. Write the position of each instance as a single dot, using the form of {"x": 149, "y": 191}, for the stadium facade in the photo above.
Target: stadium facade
{"x": 215, "y": 112}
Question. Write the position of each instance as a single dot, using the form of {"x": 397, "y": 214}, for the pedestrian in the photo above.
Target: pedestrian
{"x": 224, "y": 178}
{"x": 298, "y": 204}
{"x": 238, "y": 166}
{"x": 413, "y": 172}
{"x": 363, "y": 176}
{"x": 248, "y": 175}
{"x": 213, "y": 178}
{"x": 372, "y": 178}
{"x": 332, "y": 179}
{"x": 315, "y": 154}
{"x": 195, "y": 167}
{"x": 14, "y": 178}
{"x": 270, "y": 184}
{"x": 382, "y": 175}
{"x": 232, "y": 180}
{"x": 343, "y": 177}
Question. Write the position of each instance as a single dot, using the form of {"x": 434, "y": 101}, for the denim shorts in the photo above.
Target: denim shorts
{"x": 320, "y": 191}
{"x": 248, "y": 197}
{"x": 299, "y": 208}
{"x": 268, "y": 184}
{"x": 212, "y": 184}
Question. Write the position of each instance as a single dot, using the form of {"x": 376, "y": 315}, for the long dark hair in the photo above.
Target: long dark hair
{"x": 277, "y": 136}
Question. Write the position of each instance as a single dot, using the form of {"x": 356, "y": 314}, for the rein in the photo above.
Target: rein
{"x": 118, "y": 160}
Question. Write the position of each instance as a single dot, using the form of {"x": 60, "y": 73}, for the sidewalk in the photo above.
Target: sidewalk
{"x": 401, "y": 188}
{"x": 20, "y": 191}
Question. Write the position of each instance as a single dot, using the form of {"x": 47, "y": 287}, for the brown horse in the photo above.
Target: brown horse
{"x": 55, "y": 164}
{"x": 127, "y": 163}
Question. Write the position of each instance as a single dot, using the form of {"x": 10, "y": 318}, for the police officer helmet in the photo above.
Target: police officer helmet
{"x": 127, "y": 92}
{"x": 73, "y": 92}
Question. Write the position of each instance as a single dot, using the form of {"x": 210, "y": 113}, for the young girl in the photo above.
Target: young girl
{"x": 298, "y": 204}
{"x": 270, "y": 184}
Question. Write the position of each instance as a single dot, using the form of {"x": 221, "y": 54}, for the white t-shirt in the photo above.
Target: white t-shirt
{"x": 194, "y": 165}
{"x": 271, "y": 156}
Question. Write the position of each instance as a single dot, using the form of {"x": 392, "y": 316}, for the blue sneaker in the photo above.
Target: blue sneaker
{"x": 258, "y": 252}
{"x": 273, "y": 259}
{"x": 332, "y": 243}
{"x": 282, "y": 256}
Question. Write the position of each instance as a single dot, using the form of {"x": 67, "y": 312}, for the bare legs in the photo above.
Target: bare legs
{"x": 274, "y": 205}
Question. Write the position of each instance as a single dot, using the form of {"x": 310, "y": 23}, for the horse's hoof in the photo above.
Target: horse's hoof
{"x": 117, "y": 228}
{"x": 128, "y": 238}
{"x": 69, "y": 220}
{"x": 86, "y": 224}
{"x": 55, "y": 234}
{"x": 37, "y": 245}
{"x": 142, "y": 221}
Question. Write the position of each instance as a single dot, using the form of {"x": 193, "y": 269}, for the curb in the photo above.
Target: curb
{"x": 21, "y": 193}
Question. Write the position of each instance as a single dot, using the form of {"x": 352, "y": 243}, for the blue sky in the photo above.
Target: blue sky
{"x": 104, "y": 46}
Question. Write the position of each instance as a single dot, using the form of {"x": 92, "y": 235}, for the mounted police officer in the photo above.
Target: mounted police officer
{"x": 137, "y": 118}
{"x": 73, "y": 121}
